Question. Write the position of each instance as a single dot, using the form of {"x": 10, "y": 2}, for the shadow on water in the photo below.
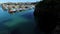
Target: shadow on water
{"x": 16, "y": 31}
{"x": 24, "y": 28}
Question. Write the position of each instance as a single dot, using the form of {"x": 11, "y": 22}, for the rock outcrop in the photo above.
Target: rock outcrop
{"x": 46, "y": 13}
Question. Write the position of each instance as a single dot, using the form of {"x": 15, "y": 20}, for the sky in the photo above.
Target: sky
{"x": 2, "y": 1}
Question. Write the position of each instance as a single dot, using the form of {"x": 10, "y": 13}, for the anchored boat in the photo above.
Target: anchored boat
{"x": 12, "y": 10}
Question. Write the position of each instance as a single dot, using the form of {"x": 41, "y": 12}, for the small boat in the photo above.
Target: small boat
{"x": 4, "y": 7}
{"x": 24, "y": 8}
{"x": 32, "y": 7}
{"x": 19, "y": 9}
{"x": 12, "y": 10}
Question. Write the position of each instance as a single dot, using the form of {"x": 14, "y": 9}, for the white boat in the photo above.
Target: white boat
{"x": 20, "y": 9}
{"x": 12, "y": 10}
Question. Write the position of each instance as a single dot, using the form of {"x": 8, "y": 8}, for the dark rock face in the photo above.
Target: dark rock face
{"x": 46, "y": 13}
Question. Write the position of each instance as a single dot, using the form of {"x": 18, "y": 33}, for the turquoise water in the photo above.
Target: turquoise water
{"x": 22, "y": 21}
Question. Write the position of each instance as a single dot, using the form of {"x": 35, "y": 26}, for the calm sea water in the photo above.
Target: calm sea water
{"x": 22, "y": 21}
